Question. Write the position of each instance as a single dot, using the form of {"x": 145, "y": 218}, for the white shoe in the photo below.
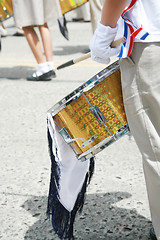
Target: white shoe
{"x": 19, "y": 32}
{"x": 3, "y": 31}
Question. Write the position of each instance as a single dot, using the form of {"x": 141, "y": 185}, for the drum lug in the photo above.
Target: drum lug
{"x": 67, "y": 138}
{"x": 89, "y": 141}
{"x": 98, "y": 114}
{"x": 65, "y": 135}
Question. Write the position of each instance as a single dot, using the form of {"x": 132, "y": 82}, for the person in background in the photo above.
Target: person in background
{"x": 92, "y": 12}
{"x": 3, "y": 31}
{"x": 140, "y": 79}
{"x": 19, "y": 32}
{"x": 89, "y": 12}
{"x": 37, "y": 13}
{"x": 95, "y": 12}
{"x": 82, "y": 13}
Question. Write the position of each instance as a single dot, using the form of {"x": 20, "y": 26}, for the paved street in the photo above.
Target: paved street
{"x": 116, "y": 206}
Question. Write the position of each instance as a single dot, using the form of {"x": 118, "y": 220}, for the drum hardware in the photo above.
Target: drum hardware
{"x": 89, "y": 119}
{"x": 105, "y": 143}
{"x": 94, "y": 150}
{"x": 98, "y": 115}
{"x": 89, "y": 141}
{"x": 92, "y": 117}
{"x": 96, "y": 112}
{"x": 65, "y": 102}
{"x": 67, "y": 137}
{"x": 84, "y": 88}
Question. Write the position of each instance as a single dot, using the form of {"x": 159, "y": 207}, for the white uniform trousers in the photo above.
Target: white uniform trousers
{"x": 95, "y": 12}
{"x": 141, "y": 93}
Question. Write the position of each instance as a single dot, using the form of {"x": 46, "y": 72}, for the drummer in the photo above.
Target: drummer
{"x": 140, "y": 82}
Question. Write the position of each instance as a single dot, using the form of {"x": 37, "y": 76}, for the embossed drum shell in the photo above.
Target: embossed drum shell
{"x": 6, "y": 9}
{"x": 78, "y": 120}
{"x": 68, "y": 5}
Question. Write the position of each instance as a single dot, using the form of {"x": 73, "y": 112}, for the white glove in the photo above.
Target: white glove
{"x": 101, "y": 50}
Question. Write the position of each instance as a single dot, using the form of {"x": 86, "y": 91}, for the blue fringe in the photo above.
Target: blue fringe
{"x": 63, "y": 220}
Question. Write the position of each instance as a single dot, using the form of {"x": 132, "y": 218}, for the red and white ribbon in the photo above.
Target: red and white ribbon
{"x": 130, "y": 32}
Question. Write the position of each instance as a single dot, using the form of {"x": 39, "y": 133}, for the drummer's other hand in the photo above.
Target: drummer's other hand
{"x": 100, "y": 44}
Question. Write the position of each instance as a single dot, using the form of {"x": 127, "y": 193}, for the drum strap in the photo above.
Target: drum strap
{"x": 131, "y": 31}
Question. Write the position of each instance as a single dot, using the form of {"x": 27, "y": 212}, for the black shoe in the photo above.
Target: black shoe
{"x": 18, "y": 34}
{"x": 77, "y": 19}
{"x": 86, "y": 50}
{"x": 152, "y": 234}
{"x": 44, "y": 77}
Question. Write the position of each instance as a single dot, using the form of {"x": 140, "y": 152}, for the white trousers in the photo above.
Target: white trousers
{"x": 95, "y": 12}
{"x": 141, "y": 93}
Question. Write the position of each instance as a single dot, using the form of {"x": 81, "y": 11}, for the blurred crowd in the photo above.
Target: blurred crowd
{"x": 33, "y": 13}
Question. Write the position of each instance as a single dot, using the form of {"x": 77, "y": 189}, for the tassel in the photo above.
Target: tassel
{"x": 63, "y": 220}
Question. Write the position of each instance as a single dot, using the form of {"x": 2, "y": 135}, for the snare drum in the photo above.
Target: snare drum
{"x": 93, "y": 116}
{"x": 68, "y": 5}
{"x": 6, "y": 9}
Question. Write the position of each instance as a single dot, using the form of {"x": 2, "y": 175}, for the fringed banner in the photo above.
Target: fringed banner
{"x": 68, "y": 183}
{"x": 69, "y": 5}
{"x": 62, "y": 23}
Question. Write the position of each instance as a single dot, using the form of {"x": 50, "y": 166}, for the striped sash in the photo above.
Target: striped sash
{"x": 130, "y": 32}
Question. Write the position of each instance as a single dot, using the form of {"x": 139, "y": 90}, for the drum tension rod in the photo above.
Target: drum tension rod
{"x": 97, "y": 114}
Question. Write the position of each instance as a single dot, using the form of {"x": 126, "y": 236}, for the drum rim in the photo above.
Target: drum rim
{"x": 99, "y": 77}
{"x": 124, "y": 130}
{"x": 4, "y": 19}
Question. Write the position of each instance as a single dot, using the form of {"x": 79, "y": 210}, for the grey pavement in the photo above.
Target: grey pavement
{"x": 116, "y": 206}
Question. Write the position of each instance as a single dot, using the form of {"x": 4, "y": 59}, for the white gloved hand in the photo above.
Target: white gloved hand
{"x": 100, "y": 44}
